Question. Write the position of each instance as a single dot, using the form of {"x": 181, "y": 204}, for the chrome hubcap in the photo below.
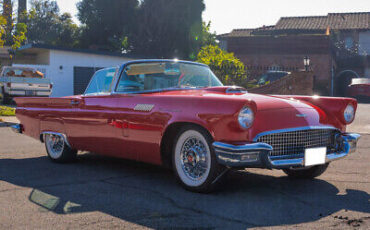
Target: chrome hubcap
{"x": 194, "y": 158}
{"x": 55, "y": 145}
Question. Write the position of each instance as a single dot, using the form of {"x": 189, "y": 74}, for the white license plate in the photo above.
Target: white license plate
{"x": 315, "y": 156}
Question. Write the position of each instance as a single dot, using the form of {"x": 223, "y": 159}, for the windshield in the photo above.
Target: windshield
{"x": 157, "y": 76}
{"x": 101, "y": 82}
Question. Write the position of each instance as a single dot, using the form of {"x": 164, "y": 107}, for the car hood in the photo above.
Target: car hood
{"x": 273, "y": 112}
{"x": 263, "y": 102}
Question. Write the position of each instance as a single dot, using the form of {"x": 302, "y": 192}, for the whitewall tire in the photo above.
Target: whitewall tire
{"x": 58, "y": 149}
{"x": 193, "y": 159}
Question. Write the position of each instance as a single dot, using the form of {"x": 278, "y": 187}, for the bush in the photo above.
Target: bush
{"x": 229, "y": 69}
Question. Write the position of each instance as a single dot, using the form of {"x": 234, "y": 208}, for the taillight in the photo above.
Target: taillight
{"x": 9, "y": 84}
{"x": 51, "y": 86}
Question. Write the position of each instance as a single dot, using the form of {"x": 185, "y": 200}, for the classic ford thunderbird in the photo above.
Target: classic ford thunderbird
{"x": 178, "y": 114}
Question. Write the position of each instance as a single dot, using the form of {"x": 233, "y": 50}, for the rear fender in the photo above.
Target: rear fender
{"x": 39, "y": 115}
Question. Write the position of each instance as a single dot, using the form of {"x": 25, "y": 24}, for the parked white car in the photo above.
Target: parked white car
{"x": 24, "y": 82}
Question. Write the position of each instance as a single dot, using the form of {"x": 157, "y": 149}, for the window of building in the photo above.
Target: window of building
{"x": 348, "y": 43}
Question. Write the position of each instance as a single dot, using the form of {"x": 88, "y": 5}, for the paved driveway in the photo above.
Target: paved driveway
{"x": 98, "y": 192}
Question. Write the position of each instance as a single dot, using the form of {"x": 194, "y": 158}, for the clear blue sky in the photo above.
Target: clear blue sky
{"x": 226, "y": 15}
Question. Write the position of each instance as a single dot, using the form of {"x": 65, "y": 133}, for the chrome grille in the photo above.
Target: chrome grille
{"x": 295, "y": 142}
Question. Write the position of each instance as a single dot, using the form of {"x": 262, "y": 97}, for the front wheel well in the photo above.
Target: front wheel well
{"x": 167, "y": 141}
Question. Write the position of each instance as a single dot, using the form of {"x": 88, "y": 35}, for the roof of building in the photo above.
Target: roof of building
{"x": 334, "y": 21}
{"x": 313, "y": 22}
{"x": 339, "y": 21}
{"x": 240, "y": 33}
{"x": 246, "y": 32}
{"x": 87, "y": 51}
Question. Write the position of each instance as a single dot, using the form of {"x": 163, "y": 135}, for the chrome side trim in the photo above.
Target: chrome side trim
{"x": 292, "y": 130}
{"x": 58, "y": 134}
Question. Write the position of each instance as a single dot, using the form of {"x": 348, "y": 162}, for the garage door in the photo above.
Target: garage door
{"x": 81, "y": 78}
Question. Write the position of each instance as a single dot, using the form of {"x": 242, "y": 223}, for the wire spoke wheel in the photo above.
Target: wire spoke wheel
{"x": 55, "y": 145}
{"x": 194, "y": 161}
{"x": 194, "y": 158}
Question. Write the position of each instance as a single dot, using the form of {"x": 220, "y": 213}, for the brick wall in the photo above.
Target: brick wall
{"x": 297, "y": 83}
{"x": 320, "y": 64}
{"x": 263, "y": 53}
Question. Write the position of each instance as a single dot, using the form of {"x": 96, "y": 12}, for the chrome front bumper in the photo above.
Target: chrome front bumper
{"x": 257, "y": 155}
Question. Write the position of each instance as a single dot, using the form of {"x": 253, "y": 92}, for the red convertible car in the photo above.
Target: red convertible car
{"x": 178, "y": 114}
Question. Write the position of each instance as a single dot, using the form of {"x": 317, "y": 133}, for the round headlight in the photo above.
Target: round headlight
{"x": 349, "y": 113}
{"x": 246, "y": 117}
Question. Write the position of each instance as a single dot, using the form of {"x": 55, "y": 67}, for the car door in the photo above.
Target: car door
{"x": 93, "y": 124}
{"x": 142, "y": 120}
{"x": 142, "y": 123}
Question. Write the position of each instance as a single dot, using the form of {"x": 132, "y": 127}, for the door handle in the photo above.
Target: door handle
{"x": 75, "y": 102}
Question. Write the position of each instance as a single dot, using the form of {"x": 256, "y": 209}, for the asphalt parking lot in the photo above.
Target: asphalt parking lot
{"x": 97, "y": 192}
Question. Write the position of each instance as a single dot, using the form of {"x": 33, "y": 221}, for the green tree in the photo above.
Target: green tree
{"x": 11, "y": 34}
{"x": 159, "y": 28}
{"x": 229, "y": 69}
{"x": 169, "y": 28}
{"x": 19, "y": 35}
{"x": 9, "y": 21}
{"x": 2, "y": 30}
{"x": 208, "y": 37}
{"x": 46, "y": 25}
{"x": 107, "y": 25}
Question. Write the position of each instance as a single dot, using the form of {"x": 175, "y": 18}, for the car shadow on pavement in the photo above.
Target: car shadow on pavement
{"x": 149, "y": 195}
